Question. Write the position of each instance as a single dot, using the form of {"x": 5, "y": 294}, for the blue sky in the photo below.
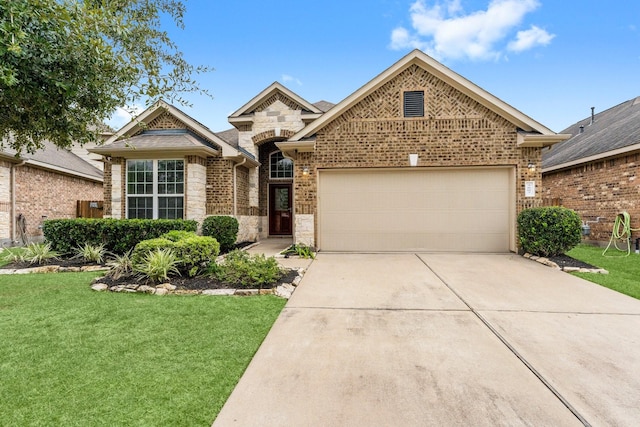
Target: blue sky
{"x": 552, "y": 60}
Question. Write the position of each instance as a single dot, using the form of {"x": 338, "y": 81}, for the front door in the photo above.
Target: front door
{"x": 280, "y": 211}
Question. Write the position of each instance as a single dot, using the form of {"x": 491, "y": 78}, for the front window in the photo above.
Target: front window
{"x": 280, "y": 167}
{"x": 155, "y": 189}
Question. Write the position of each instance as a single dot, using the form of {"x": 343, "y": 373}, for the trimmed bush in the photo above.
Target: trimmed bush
{"x": 549, "y": 231}
{"x": 242, "y": 270}
{"x": 193, "y": 253}
{"x": 117, "y": 235}
{"x": 223, "y": 228}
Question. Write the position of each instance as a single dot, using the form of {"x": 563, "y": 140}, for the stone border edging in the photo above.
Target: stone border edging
{"x": 549, "y": 263}
{"x": 284, "y": 290}
{"x": 53, "y": 269}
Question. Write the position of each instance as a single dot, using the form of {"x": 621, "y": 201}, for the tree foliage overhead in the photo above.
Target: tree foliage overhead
{"x": 66, "y": 65}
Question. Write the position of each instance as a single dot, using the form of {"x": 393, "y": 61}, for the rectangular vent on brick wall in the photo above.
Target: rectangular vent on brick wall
{"x": 414, "y": 103}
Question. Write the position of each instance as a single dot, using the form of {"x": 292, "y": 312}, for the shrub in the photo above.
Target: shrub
{"x": 38, "y": 253}
{"x": 223, "y": 228}
{"x": 91, "y": 253}
{"x": 194, "y": 253}
{"x": 239, "y": 269}
{"x": 158, "y": 264}
{"x": 117, "y": 235}
{"x": 301, "y": 250}
{"x": 175, "y": 235}
{"x": 549, "y": 231}
{"x": 120, "y": 265}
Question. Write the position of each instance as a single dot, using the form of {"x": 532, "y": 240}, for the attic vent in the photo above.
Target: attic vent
{"x": 414, "y": 103}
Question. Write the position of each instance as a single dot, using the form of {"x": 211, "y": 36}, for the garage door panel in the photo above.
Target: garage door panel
{"x": 415, "y": 210}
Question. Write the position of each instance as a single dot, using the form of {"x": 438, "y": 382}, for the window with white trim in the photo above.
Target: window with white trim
{"x": 279, "y": 166}
{"x": 155, "y": 189}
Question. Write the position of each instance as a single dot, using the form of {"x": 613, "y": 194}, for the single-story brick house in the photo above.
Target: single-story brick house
{"x": 44, "y": 185}
{"x": 419, "y": 158}
{"x": 595, "y": 172}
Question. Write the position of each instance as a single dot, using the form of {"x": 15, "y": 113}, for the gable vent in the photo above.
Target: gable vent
{"x": 414, "y": 103}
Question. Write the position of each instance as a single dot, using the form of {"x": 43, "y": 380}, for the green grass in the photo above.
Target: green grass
{"x": 74, "y": 357}
{"x": 624, "y": 272}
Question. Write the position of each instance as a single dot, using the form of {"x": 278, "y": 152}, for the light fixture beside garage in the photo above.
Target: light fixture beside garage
{"x": 305, "y": 171}
{"x": 531, "y": 166}
{"x": 413, "y": 159}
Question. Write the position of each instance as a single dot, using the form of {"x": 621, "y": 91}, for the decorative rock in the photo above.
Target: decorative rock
{"x": 146, "y": 289}
{"x": 69, "y": 269}
{"x": 94, "y": 268}
{"x": 571, "y": 269}
{"x": 266, "y": 291}
{"x": 161, "y": 291}
{"x": 167, "y": 286}
{"x": 284, "y": 291}
{"x": 99, "y": 287}
{"x": 601, "y": 271}
{"x": 296, "y": 281}
{"x": 218, "y": 292}
{"x": 131, "y": 286}
{"x": 526, "y": 255}
{"x": 246, "y": 292}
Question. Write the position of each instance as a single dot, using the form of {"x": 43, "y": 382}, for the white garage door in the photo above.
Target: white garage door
{"x": 372, "y": 210}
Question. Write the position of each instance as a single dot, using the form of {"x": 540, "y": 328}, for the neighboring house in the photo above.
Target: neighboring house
{"x": 595, "y": 172}
{"x": 419, "y": 158}
{"x": 43, "y": 185}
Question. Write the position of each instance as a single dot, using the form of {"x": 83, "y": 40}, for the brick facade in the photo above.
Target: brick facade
{"x": 219, "y": 186}
{"x": 455, "y": 131}
{"x": 602, "y": 188}
{"x": 46, "y": 194}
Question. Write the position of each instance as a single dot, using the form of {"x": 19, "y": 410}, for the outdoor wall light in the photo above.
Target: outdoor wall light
{"x": 413, "y": 159}
{"x": 305, "y": 171}
{"x": 531, "y": 166}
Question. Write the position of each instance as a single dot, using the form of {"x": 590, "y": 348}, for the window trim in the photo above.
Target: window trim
{"x": 155, "y": 195}
{"x": 271, "y": 177}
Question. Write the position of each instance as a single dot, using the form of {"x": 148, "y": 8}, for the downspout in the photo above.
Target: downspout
{"x": 235, "y": 186}
{"x": 14, "y": 224}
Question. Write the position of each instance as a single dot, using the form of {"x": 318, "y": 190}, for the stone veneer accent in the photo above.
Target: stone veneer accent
{"x": 305, "y": 229}
{"x": 455, "y": 131}
{"x": 117, "y": 190}
{"x": 248, "y": 226}
{"x": 601, "y": 188}
{"x": 195, "y": 188}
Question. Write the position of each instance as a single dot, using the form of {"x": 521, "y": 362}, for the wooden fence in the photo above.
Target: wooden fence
{"x": 89, "y": 208}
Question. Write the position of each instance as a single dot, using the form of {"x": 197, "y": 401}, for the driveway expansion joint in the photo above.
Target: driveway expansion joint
{"x": 512, "y": 349}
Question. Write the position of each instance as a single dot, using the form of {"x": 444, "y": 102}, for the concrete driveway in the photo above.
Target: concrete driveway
{"x": 444, "y": 339}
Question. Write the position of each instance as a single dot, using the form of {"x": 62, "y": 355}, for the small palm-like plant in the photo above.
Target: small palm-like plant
{"x": 91, "y": 253}
{"x": 158, "y": 264}
{"x": 12, "y": 255}
{"x": 121, "y": 265}
{"x": 38, "y": 253}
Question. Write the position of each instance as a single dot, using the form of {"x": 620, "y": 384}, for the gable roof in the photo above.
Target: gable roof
{"x": 56, "y": 159}
{"x": 613, "y": 131}
{"x": 245, "y": 113}
{"x": 543, "y": 135}
{"x": 198, "y": 140}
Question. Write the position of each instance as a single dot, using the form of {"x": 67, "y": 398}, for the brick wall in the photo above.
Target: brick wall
{"x": 456, "y": 131}
{"x": 219, "y": 186}
{"x": 43, "y": 193}
{"x": 603, "y": 188}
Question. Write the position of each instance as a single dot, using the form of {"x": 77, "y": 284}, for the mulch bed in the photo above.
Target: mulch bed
{"x": 567, "y": 261}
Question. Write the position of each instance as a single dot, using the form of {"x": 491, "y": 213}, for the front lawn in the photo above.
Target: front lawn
{"x": 624, "y": 272}
{"x": 74, "y": 357}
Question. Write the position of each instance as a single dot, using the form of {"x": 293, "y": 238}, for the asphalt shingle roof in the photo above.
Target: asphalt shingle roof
{"x": 612, "y": 129}
{"x": 159, "y": 139}
{"x": 59, "y": 158}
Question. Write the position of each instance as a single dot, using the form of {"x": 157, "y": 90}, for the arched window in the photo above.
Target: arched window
{"x": 279, "y": 166}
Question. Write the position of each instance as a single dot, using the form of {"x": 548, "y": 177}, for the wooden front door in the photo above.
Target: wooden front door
{"x": 280, "y": 212}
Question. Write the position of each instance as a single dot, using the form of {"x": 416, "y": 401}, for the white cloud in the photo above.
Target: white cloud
{"x": 123, "y": 115}
{"x": 530, "y": 38}
{"x": 286, "y": 78}
{"x": 446, "y": 31}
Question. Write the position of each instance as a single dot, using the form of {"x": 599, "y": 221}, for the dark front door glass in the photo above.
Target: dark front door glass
{"x": 280, "y": 212}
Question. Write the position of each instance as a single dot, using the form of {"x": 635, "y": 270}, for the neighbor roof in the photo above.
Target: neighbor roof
{"x": 613, "y": 131}
{"x": 57, "y": 159}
